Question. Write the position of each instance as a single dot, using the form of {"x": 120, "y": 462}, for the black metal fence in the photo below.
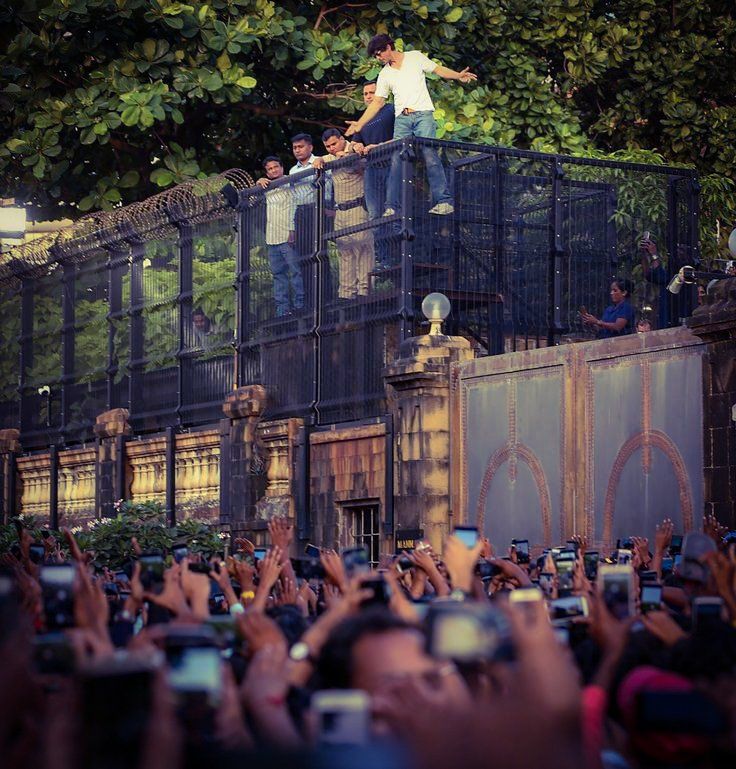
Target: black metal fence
{"x": 308, "y": 288}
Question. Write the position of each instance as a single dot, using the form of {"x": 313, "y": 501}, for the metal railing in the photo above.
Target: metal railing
{"x": 164, "y": 307}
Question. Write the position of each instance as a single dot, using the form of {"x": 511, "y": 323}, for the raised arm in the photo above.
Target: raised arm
{"x": 464, "y": 76}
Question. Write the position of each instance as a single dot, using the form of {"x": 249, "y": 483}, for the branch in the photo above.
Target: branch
{"x": 325, "y": 10}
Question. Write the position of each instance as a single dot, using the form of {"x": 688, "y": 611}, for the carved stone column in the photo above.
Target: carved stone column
{"x": 278, "y": 439}
{"x": 9, "y": 447}
{"x": 418, "y": 389}
{"x": 715, "y": 323}
{"x": 112, "y": 428}
{"x": 242, "y": 460}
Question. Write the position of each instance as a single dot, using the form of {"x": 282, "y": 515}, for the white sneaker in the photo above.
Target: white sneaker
{"x": 389, "y": 212}
{"x": 442, "y": 209}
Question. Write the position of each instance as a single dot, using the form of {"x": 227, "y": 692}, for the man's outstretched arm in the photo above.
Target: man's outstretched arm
{"x": 464, "y": 76}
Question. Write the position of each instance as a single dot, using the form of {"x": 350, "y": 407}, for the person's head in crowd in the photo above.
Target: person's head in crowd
{"x": 643, "y": 325}
{"x": 273, "y": 167}
{"x": 369, "y": 91}
{"x": 376, "y": 650}
{"x": 731, "y": 267}
{"x": 702, "y": 293}
{"x": 645, "y": 740}
{"x": 693, "y": 572}
{"x": 379, "y": 44}
{"x": 621, "y": 290}
{"x": 302, "y": 146}
{"x": 334, "y": 141}
{"x": 200, "y": 321}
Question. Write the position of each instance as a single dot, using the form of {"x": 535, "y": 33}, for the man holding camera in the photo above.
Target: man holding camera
{"x": 672, "y": 308}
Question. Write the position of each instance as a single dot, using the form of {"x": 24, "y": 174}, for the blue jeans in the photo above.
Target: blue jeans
{"x": 285, "y": 269}
{"x": 417, "y": 124}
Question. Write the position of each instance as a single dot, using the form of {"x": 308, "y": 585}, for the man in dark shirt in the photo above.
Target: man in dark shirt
{"x": 376, "y": 131}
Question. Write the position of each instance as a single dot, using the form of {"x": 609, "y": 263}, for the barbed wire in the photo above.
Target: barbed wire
{"x": 159, "y": 216}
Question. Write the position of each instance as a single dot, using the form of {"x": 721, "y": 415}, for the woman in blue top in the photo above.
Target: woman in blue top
{"x": 618, "y": 318}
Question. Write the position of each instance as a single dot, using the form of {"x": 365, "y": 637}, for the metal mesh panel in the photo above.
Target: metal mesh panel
{"x": 155, "y": 386}
{"x": 360, "y": 278}
{"x": 278, "y": 291}
{"x": 85, "y": 387}
{"x": 10, "y": 303}
{"x": 208, "y": 319}
{"x": 41, "y": 375}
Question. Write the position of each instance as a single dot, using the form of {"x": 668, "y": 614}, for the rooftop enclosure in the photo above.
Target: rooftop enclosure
{"x": 165, "y": 306}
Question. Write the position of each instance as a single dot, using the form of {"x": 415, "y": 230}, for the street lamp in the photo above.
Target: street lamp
{"x": 435, "y": 307}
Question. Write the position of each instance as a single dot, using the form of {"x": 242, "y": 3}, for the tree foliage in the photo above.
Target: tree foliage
{"x": 106, "y": 101}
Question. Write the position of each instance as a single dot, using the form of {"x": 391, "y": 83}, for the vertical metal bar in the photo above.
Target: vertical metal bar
{"x": 388, "y": 525}
{"x": 407, "y": 155}
{"x": 320, "y": 291}
{"x": 54, "y": 486}
{"x": 26, "y": 354}
{"x": 67, "y": 343}
{"x": 242, "y": 294}
{"x": 694, "y": 219}
{"x": 302, "y": 470}
{"x": 495, "y": 305}
{"x": 171, "y": 476}
{"x": 557, "y": 251}
{"x": 135, "y": 366}
{"x": 114, "y": 308}
{"x": 12, "y": 470}
{"x": 184, "y": 302}
{"x": 120, "y": 467}
{"x": 225, "y": 491}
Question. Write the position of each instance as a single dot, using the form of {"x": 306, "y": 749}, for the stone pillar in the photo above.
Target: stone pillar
{"x": 715, "y": 324}
{"x": 9, "y": 447}
{"x": 278, "y": 438}
{"x": 111, "y": 428}
{"x": 418, "y": 390}
{"x": 243, "y": 464}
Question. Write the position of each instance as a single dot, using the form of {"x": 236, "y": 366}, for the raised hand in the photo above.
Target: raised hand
{"x": 172, "y": 595}
{"x": 641, "y": 551}
{"x": 271, "y": 567}
{"x": 663, "y": 535}
{"x": 259, "y": 631}
{"x": 281, "y": 531}
{"x": 334, "y": 568}
{"x": 661, "y": 625}
{"x": 466, "y": 76}
{"x": 582, "y": 542}
{"x": 423, "y": 559}
{"x": 714, "y": 528}
{"x": 460, "y": 561}
{"x": 196, "y": 589}
{"x": 243, "y": 545}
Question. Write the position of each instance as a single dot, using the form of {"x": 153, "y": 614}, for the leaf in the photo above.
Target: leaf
{"x": 131, "y": 115}
{"x": 162, "y": 177}
{"x": 129, "y": 179}
{"x": 246, "y": 82}
{"x": 149, "y": 48}
{"x": 454, "y": 15}
{"x": 15, "y": 145}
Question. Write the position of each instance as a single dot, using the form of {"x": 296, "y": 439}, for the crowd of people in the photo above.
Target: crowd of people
{"x": 563, "y": 657}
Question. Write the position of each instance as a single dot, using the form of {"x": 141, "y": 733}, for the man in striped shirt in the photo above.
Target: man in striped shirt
{"x": 288, "y": 287}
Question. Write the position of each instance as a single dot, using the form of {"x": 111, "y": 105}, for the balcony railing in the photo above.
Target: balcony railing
{"x": 164, "y": 307}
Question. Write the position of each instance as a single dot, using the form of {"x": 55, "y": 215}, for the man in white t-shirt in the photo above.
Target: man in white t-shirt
{"x": 404, "y": 76}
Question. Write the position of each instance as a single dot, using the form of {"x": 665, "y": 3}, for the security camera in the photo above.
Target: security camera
{"x": 45, "y": 390}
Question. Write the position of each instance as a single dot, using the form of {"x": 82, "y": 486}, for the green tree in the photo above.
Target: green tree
{"x": 105, "y": 101}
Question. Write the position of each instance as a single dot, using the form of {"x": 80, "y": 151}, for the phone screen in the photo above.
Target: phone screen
{"x": 590, "y": 564}
{"x": 58, "y": 598}
{"x": 343, "y": 717}
{"x": 312, "y": 551}
{"x": 468, "y": 535}
{"x": 522, "y": 550}
{"x": 259, "y": 553}
{"x": 196, "y": 670}
{"x": 651, "y": 598}
{"x": 617, "y": 585}
{"x": 356, "y": 560}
